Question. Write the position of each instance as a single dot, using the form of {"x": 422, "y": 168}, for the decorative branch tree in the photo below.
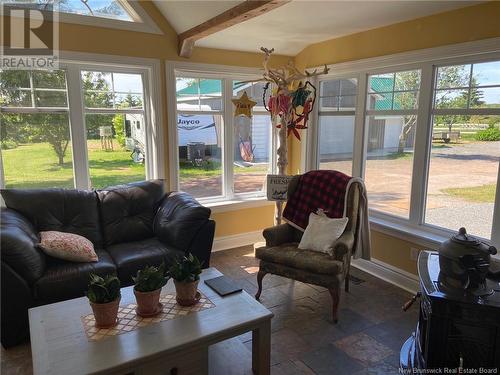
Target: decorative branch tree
{"x": 285, "y": 103}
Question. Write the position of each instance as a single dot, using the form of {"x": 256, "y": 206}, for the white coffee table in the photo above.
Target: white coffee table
{"x": 179, "y": 346}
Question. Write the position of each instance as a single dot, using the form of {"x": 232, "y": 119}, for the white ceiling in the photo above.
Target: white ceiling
{"x": 294, "y": 26}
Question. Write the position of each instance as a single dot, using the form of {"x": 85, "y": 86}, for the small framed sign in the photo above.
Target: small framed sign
{"x": 277, "y": 186}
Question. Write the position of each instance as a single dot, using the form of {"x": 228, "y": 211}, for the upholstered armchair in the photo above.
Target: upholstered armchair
{"x": 281, "y": 255}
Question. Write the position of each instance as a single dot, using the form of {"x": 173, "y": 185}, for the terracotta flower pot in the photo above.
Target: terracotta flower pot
{"x": 148, "y": 303}
{"x": 105, "y": 314}
{"x": 186, "y": 293}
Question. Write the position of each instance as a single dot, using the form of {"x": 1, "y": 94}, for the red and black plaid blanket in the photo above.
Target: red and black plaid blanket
{"x": 316, "y": 189}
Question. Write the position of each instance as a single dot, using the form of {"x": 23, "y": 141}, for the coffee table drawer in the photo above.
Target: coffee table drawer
{"x": 193, "y": 362}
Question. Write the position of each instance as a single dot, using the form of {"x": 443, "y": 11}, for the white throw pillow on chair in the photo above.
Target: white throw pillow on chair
{"x": 322, "y": 232}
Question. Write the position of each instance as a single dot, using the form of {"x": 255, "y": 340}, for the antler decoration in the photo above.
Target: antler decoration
{"x": 289, "y": 107}
{"x": 285, "y": 75}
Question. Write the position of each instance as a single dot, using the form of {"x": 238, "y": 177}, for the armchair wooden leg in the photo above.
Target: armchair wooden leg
{"x": 260, "y": 276}
{"x": 335, "y": 293}
{"x": 347, "y": 277}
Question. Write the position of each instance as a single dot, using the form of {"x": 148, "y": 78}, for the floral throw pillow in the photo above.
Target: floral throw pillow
{"x": 67, "y": 246}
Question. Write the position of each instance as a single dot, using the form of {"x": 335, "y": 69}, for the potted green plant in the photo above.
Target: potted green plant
{"x": 104, "y": 296}
{"x": 186, "y": 274}
{"x": 148, "y": 284}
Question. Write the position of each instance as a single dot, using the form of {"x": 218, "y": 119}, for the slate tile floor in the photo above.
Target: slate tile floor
{"x": 366, "y": 340}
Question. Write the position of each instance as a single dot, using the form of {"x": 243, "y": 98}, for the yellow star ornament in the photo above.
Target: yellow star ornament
{"x": 243, "y": 105}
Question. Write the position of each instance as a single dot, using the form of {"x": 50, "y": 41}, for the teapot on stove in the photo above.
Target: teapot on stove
{"x": 464, "y": 261}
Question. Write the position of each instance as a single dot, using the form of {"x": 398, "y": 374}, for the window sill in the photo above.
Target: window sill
{"x": 426, "y": 237}
{"x": 237, "y": 204}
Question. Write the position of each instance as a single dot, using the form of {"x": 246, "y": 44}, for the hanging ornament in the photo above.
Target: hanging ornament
{"x": 300, "y": 96}
{"x": 243, "y": 105}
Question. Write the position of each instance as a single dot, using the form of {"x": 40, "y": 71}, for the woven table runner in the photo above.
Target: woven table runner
{"x": 129, "y": 321}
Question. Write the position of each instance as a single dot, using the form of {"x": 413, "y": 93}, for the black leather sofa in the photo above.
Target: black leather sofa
{"x": 130, "y": 226}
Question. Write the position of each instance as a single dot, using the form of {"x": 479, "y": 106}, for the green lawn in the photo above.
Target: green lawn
{"x": 188, "y": 171}
{"x": 481, "y": 194}
{"x": 35, "y": 165}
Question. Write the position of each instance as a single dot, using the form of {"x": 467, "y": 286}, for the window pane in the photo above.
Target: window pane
{"x": 100, "y": 8}
{"x": 389, "y": 163}
{"x": 99, "y": 81}
{"x": 210, "y": 104}
{"x": 36, "y": 151}
{"x": 199, "y": 94}
{"x": 15, "y": 98}
{"x": 239, "y": 87}
{"x": 348, "y": 86}
{"x": 14, "y": 79}
{"x": 406, "y": 100}
{"x": 91, "y": 8}
{"x": 330, "y": 88}
{"x": 200, "y": 163}
{"x": 463, "y": 174}
{"x": 329, "y": 103}
{"x": 128, "y": 101}
{"x": 485, "y": 97}
{"x": 393, "y": 91}
{"x": 116, "y": 148}
{"x": 252, "y": 147}
{"x": 97, "y": 89}
{"x": 336, "y": 139}
{"x": 381, "y": 83}
{"x": 347, "y": 103}
{"x": 125, "y": 83}
{"x": 486, "y": 74}
{"x": 380, "y": 101}
{"x": 453, "y": 76}
{"x": 98, "y": 99}
{"x": 451, "y": 99}
{"x": 338, "y": 94}
{"x": 49, "y": 80}
{"x": 254, "y": 91}
{"x": 407, "y": 81}
{"x": 50, "y": 98}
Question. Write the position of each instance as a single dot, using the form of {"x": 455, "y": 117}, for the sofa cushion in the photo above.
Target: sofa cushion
{"x": 65, "y": 280}
{"x": 67, "y": 246}
{"x": 290, "y": 255}
{"x": 63, "y": 210}
{"x": 127, "y": 211}
{"x": 18, "y": 242}
{"x": 129, "y": 257}
{"x": 179, "y": 219}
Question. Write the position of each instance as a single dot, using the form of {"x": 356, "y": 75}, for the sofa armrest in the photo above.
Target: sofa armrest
{"x": 278, "y": 235}
{"x": 16, "y": 299}
{"x": 178, "y": 220}
{"x": 343, "y": 245}
{"x": 201, "y": 246}
{"x": 18, "y": 241}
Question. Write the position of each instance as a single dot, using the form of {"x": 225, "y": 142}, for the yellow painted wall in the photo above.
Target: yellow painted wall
{"x": 462, "y": 25}
{"x": 395, "y": 251}
{"x": 243, "y": 221}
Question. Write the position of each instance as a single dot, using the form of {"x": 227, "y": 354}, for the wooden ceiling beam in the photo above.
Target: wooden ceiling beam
{"x": 234, "y": 16}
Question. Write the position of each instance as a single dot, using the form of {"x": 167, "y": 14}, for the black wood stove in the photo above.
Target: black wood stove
{"x": 459, "y": 323}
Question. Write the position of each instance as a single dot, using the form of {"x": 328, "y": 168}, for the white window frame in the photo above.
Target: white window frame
{"x": 73, "y": 63}
{"x": 312, "y": 151}
{"x": 413, "y": 229}
{"x": 227, "y": 74}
